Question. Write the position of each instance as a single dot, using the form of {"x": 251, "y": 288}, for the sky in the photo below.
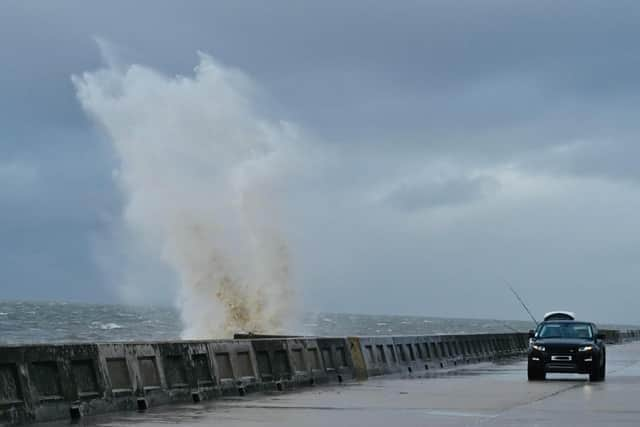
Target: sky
{"x": 447, "y": 149}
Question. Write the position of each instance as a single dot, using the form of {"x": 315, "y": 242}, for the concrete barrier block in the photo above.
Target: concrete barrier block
{"x": 123, "y": 362}
{"x": 424, "y": 352}
{"x": 440, "y": 351}
{"x": 357, "y": 356}
{"x": 431, "y": 351}
{"x": 411, "y": 353}
{"x": 203, "y": 378}
{"x": 235, "y": 366}
{"x": 306, "y": 362}
{"x": 42, "y": 381}
{"x": 16, "y": 396}
{"x": 380, "y": 355}
{"x": 188, "y": 370}
{"x": 483, "y": 349}
{"x": 274, "y": 367}
{"x": 337, "y": 365}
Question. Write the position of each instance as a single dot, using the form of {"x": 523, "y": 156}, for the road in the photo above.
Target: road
{"x": 482, "y": 395}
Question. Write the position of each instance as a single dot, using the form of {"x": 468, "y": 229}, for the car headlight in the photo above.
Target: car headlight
{"x": 585, "y": 348}
{"x": 538, "y": 347}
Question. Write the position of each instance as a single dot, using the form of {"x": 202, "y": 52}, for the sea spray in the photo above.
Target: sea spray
{"x": 199, "y": 170}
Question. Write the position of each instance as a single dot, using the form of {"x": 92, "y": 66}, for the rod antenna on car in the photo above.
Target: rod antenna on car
{"x": 522, "y": 303}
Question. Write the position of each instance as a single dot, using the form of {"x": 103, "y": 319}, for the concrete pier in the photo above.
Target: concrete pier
{"x": 485, "y": 394}
{"x": 70, "y": 382}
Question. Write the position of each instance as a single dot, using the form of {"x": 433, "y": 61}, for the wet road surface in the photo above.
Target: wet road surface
{"x": 482, "y": 395}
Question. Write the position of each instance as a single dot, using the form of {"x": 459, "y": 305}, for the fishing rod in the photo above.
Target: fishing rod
{"x": 522, "y": 303}
{"x": 508, "y": 326}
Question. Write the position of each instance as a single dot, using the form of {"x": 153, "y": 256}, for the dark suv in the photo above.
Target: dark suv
{"x": 566, "y": 346}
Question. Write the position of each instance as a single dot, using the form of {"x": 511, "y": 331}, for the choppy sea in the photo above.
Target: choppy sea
{"x": 53, "y": 322}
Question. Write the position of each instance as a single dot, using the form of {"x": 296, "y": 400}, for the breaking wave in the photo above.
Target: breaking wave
{"x": 199, "y": 169}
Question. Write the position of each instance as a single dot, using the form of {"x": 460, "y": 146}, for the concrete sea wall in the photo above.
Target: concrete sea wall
{"x": 69, "y": 381}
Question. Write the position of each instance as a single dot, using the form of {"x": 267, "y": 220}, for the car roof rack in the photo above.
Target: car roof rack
{"x": 559, "y": 315}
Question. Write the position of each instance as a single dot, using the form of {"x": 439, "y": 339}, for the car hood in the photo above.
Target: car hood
{"x": 563, "y": 341}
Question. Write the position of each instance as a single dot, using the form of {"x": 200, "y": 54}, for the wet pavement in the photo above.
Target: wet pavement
{"x": 481, "y": 395}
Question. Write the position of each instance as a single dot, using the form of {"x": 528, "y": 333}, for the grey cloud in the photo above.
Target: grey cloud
{"x": 617, "y": 160}
{"x": 546, "y": 87}
{"x": 416, "y": 196}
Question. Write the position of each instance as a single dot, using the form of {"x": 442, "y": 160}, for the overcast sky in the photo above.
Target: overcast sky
{"x": 464, "y": 143}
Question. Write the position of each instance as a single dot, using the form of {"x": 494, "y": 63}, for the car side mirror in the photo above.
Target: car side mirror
{"x": 531, "y": 333}
{"x": 601, "y": 336}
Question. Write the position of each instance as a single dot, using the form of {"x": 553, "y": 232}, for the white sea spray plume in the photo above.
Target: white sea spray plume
{"x": 200, "y": 170}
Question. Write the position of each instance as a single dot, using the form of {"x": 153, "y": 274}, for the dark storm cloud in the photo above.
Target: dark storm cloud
{"x": 520, "y": 100}
{"x": 362, "y": 69}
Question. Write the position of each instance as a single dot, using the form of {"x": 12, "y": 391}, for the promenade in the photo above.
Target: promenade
{"x": 484, "y": 394}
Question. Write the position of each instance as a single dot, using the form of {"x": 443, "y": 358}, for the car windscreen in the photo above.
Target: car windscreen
{"x": 565, "y": 330}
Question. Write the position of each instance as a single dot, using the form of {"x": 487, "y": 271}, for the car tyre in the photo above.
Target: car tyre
{"x": 535, "y": 374}
{"x": 598, "y": 372}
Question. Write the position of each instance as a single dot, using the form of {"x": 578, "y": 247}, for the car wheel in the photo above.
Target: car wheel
{"x": 534, "y": 374}
{"x": 603, "y": 369}
{"x": 597, "y": 372}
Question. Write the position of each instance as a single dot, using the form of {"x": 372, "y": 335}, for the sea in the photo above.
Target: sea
{"x": 27, "y": 322}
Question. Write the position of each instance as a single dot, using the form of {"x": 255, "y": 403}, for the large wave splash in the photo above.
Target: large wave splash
{"x": 199, "y": 169}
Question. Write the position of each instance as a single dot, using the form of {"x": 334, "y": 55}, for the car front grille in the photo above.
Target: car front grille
{"x": 562, "y": 350}
{"x": 557, "y": 366}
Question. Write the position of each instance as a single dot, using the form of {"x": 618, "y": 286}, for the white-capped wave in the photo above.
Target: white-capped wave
{"x": 105, "y": 326}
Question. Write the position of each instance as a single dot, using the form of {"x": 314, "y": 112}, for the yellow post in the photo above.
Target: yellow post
{"x": 359, "y": 364}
